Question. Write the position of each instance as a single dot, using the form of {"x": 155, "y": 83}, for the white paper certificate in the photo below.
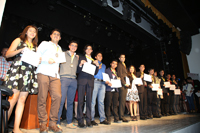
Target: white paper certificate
{"x": 106, "y": 77}
{"x": 167, "y": 84}
{"x": 138, "y": 81}
{"x": 30, "y": 57}
{"x": 61, "y": 58}
{"x": 89, "y": 68}
{"x": 198, "y": 94}
{"x": 127, "y": 81}
{"x": 177, "y": 92}
{"x": 155, "y": 87}
{"x": 116, "y": 83}
{"x": 147, "y": 77}
{"x": 159, "y": 92}
{"x": 172, "y": 87}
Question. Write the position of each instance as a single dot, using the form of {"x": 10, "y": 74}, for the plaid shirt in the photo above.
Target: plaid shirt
{"x": 4, "y": 66}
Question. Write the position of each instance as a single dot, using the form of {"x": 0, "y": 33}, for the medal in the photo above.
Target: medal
{"x": 71, "y": 65}
{"x": 56, "y": 54}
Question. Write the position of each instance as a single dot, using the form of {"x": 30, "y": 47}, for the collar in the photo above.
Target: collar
{"x": 70, "y": 53}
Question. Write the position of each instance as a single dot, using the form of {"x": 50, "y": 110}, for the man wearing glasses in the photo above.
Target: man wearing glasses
{"x": 68, "y": 82}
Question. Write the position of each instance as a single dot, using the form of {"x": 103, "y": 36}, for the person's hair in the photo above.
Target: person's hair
{"x": 129, "y": 73}
{"x": 73, "y": 41}
{"x": 56, "y": 30}
{"x": 23, "y": 35}
{"x": 99, "y": 52}
{"x": 161, "y": 70}
{"x": 121, "y": 55}
{"x": 84, "y": 49}
{"x": 115, "y": 60}
{"x": 151, "y": 69}
{"x": 189, "y": 78}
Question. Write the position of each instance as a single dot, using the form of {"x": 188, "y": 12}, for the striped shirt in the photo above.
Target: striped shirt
{"x": 4, "y": 66}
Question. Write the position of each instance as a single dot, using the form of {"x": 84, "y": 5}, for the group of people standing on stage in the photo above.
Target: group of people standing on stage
{"x": 62, "y": 82}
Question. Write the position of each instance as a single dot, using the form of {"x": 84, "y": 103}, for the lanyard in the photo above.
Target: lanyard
{"x": 113, "y": 71}
{"x": 124, "y": 64}
{"x": 57, "y": 48}
{"x": 163, "y": 79}
{"x": 29, "y": 45}
{"x": 72, "y": 58}
{"x": 89, "y": 58}
{"x": 152, "y": 78}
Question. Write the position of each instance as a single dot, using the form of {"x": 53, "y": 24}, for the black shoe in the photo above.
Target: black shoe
{"x": 156, "y": 116}
{"x": 167, "y": 114}
{"x": 133, "y": 118}
{"x": 124, "y": 120}
{"x": 89, "y": 124}
{"x": 149, "y": 117}
{"x": 94, "y": 123}
{"x": 81, "y": 125}
{"x": 117, "y": 121}
{"x": 105, "y": 122}
{"x": 142, "y": 118}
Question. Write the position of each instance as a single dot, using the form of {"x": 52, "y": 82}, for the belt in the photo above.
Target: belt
{"x": 98, "y": 80}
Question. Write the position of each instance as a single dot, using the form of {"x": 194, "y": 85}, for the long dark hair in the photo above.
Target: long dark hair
{"x": 23, "y": 35}
{"x": 129, "y": 73}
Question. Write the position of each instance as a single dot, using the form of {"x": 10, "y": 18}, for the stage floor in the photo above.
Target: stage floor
{"x": 165, "y": 124}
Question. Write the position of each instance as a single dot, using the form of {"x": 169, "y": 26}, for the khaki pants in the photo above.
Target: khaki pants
{"x": 53, "y": 85}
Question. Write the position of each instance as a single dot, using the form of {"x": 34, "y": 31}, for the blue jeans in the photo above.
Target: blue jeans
{"x": 98, "y": 92}
{"x": 191, "y": 102}
{"x": 68, "y": 90}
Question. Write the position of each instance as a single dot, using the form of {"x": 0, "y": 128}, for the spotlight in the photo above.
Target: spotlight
{"x": 137, "y": 16}
{"x": 126, "y": 12}
{"x": 115, "y": 3}
{"x": 104, "y": 3}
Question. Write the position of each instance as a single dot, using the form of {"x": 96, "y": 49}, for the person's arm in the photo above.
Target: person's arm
{"x": 12, "y": 49}
{"x": 120, "y": 74}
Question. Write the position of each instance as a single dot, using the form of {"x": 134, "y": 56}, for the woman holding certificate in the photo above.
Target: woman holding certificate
{"x": 132, "y": 94}
{"x": 21, "y": 77}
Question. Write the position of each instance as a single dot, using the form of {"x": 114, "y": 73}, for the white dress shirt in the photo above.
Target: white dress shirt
{"x": 48, "y": 50}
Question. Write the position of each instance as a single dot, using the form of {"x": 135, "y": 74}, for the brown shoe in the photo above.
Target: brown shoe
{"x": 55, "y": 129}
{"x": 43, "y": 128}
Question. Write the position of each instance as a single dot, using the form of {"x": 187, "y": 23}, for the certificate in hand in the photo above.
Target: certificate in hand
{"x": 116, "y": 83}
{"x": 198, "y": 94}
{"x": 106, "y": 77}
{"x": 60, "y": 58}
{"x": 155, "y": 87}
{"x": 147, "y": 77}
{"x": 167, "y": 84}
{"x": 89, "y": 68}
{"x": 177, "y": 92}
{"x": 159, "y": 92}
{"x": 30, "y": 57}
{"x": 172, "y": 87}
{"x": 138, "y": 81}
{"x": 127, "y": 81}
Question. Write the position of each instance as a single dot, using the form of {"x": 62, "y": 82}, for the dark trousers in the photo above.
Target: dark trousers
{"x": 165, "y": 104}
{"x": 122, "y": 101}
{"x": 158, "y": 105}
{"x": 152, "y": 102}
{"x": 177, "y": 101}
{"x": 171, "y": 101}
{"x": 112, "y": 98}
{"x": 143, "y": 103}
{"x": 81, "y": 95}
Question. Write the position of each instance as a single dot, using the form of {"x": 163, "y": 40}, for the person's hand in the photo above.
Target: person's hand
{"x": 164, "y": 85}
{"x": 109, "y": 84}
{"x": 96, "y": 62}
{"x": 51, "y": 61}
{"x": 168, "y": 94}
{"x": 139, "y": 84}
{"x": 126, "y": 85}
{"x": 40, "y": 60}
{"x": 22, "y": 49}
{"x": 118, "y": 78}
{"x": 82, "y": 62}
{"x": 151, "y": 86}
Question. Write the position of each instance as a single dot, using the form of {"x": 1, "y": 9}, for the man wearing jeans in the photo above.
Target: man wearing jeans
{"x": 68, "y": 82}
{"x": 99, "y": 92}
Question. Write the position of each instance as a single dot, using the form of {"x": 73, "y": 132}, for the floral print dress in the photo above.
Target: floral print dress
{"x": 22, "y": 76}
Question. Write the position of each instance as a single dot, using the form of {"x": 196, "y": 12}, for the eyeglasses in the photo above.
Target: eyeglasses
{"x": 74, "y": 45}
